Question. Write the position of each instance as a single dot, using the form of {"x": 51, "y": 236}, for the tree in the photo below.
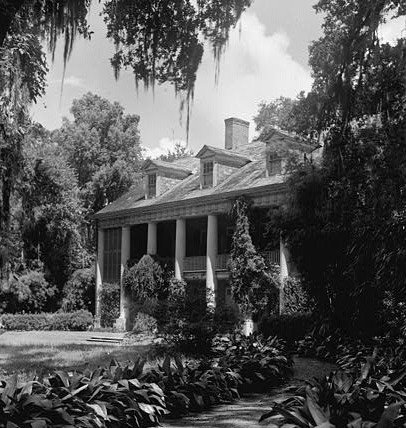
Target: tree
{"x": 345, "y": 221}
{"x": 22, "y": 80}
{"x": 252, "y": 282}
{"x": 51, "y": 212}
{"x": 180, "y": 151}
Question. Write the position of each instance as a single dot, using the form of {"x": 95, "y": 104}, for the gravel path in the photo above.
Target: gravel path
{"x": 246, "y": 412}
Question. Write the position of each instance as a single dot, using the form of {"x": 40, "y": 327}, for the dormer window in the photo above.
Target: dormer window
{"x": 274, "y": 164}
{"x": 208, "y": 174}
{"x": 151, "y": 185}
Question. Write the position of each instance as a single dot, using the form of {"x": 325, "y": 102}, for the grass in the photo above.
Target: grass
{"x": 40, "y": 353}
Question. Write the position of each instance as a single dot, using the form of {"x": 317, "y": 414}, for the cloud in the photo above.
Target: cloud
{"x": 165, "y": 144}
{"x": 73, "y": 81}
{"x": 256, "y": 66}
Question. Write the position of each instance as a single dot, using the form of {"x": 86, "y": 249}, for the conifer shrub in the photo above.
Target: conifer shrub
{"x": 79, "y": 291}
{"x": 109, "y": 304}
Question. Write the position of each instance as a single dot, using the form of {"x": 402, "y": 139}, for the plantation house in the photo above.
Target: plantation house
{"x": 180, "y": 211}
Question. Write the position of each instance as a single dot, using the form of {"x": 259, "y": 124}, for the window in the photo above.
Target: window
{"x": 151, "y": 185}
{"x": 112, "y": 255}
{"x": 274, "y": 164}
{"x": 208, "y": 174}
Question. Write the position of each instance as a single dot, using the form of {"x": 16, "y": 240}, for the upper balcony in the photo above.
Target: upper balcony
{"x": 198, "y": 263}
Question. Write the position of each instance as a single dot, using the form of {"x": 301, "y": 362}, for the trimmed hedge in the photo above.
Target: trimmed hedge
{"x": 289, "y": 327}
{"x": 76, "y": 321}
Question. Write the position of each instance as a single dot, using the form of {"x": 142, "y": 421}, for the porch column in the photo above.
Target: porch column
{"x": 125, "y": 255}
{"x": 211, "y": 278}
{"x": 180, "y": 247}
{"x": 284, "y": 273}
{"x": 151, "y": 243}
{"x": 99, "y": 274}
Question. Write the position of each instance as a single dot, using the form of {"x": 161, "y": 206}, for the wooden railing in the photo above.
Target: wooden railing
{"x": 198, "y": 263}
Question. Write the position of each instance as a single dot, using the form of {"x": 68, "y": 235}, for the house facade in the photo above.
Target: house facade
{"x": 180, "y": 211}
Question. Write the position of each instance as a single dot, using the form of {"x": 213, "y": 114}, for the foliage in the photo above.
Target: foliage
{"x": 252, "y": 283}
{"x": 145, "y": 324}
{"x": 79, "y": 291}
{"x": 109, "y": 303}
{"x": 51, "y": 212}
{"x": 289, "y": 327}
{"x": 91, "y": 399}
{"x": 260, "y": 362}
{"x": 295, "y": 297}
{"x": 193, "y": 386}
{"x": 27, "y": 292}
{"x": 144, "y": 280}
{"x": 22, "y": 81}
{"x": 77, "y": 321}
{"x": 180, "y": 151}
{"x": 369, "y": 391}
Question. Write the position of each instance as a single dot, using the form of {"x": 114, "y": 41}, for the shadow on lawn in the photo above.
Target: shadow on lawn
{"x": 30, "y": 360}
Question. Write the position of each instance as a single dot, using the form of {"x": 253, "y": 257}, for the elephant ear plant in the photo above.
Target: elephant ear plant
{"x": 107, "y": 397}
{"x": 352, "y": 398}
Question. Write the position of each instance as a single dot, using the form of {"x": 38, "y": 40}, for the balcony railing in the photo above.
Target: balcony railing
{"x": 198, "y": 263}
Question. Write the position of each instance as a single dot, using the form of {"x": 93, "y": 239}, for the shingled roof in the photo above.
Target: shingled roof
{"x": 250, "y": 176}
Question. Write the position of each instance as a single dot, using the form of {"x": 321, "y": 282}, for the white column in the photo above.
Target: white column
{"x": 99, "y": 274}
{"x": 211, "y": 278}
{"x": 151, "y": 243}
{"x": 284, "y": 273}
{"x": 125, "y": 255}
{"x": 180, "y": 247}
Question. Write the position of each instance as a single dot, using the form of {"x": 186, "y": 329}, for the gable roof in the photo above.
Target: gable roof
{"x": 223, "y": 156}
{"x": 290, "y": 141}
{"x": 168, "y": 167}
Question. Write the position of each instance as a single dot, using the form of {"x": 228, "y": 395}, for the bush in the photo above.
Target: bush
{"x": 145, "y": 324}
{"x": 109, "y": 304}
{"x": 144, "y": 280}
{"x": 296, "y": 298}
{"x": 29, "y": 292}
{"x": 75, "y": 321}
{"x": 79, "y": 291}
{"x": 288, "y": 327}
{"x": 109, "y": 397}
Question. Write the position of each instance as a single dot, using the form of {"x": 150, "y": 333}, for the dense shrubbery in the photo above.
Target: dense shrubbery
{"x": 109, "y": 304}
{"x": 288, "y": 327}
{"x": 129, "y": 396}
{"x": 109, "y": 397}
{"x": 144, "y": 324}
{"x": 295, "y": 297}
{"x": 368, "y": 390}
{"x": 260, "y": 362}
{"x": 79, "y": 321}
{"x": 79, "y": 291}
{"x": 28, "y": 292}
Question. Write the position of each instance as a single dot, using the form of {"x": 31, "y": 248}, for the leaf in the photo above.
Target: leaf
{"x": 9, "y": 390}
{"x": 314, "y": 408}
{"x": 98, "y": 410}
{"x": 389, "y": 415}
{"x": 147, "y": 408}
{"x": 167, "y": 365}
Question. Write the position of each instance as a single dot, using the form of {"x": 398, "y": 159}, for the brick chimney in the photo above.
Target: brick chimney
{"x": 236, "y": 133}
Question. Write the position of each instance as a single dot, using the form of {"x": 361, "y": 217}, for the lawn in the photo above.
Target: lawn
{"x": 39, "y": 353}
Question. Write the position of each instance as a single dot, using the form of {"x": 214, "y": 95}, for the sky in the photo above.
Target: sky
{"x": 266, "y": 57}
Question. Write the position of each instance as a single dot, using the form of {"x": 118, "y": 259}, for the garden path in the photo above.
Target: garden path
{"x": 247, "y": 411}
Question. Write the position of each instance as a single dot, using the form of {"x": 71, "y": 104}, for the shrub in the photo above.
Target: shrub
{"x": 296, "y": 298}
{"x": 109, "y": 304}
{"x": 290, "y": 327}
{"x": 79, "y": 291}
{"x": 29, "y": 292}
{"x": 76, "y": 321}
{"x": 25, "y": 321}
{"x": 260, "y": 362}
{"x": 145, "y": 324}
{"x": 144, "y": 280}
{"x": 106, "y": 398}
